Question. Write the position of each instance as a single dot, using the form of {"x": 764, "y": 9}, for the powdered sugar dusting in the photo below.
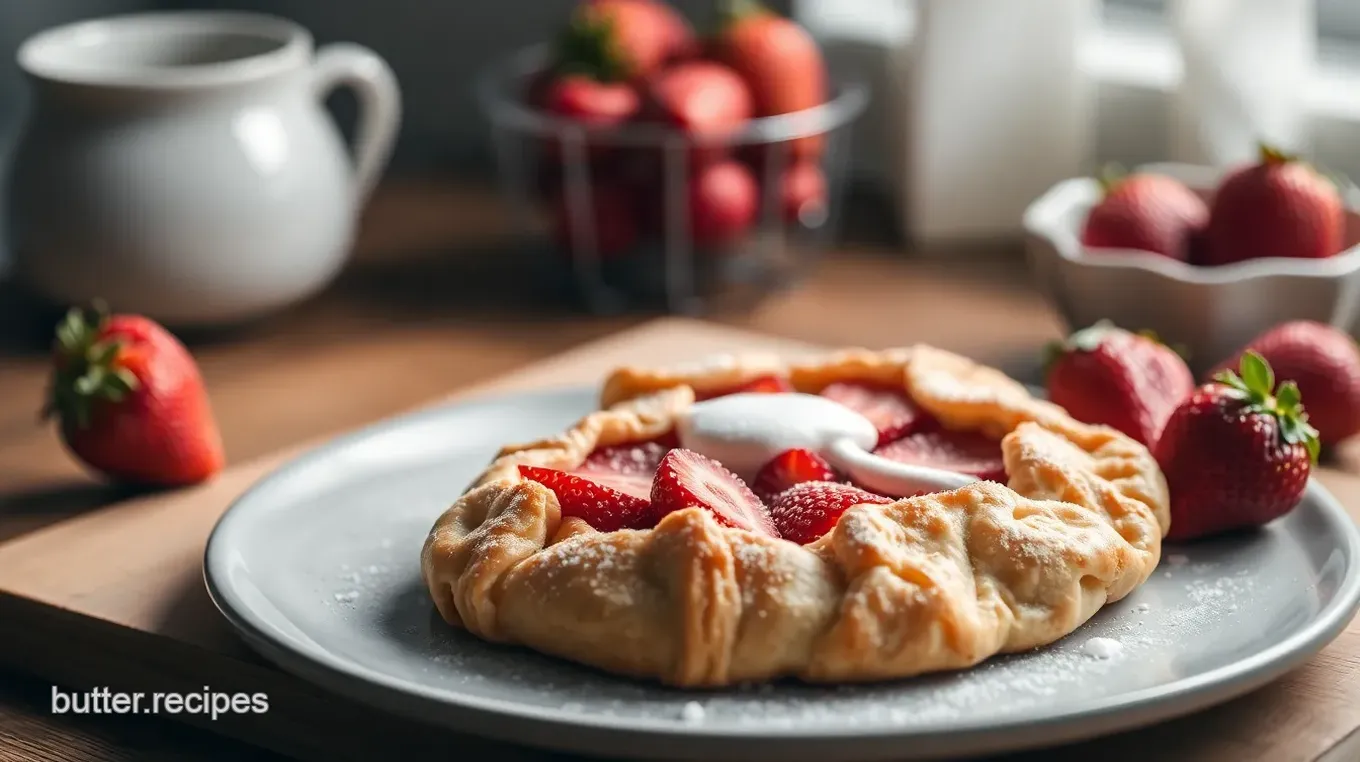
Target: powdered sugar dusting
{"x": 1132, "y": 644}
{"x": 1102, "y": 648}
{"x": 1197, "y": 613}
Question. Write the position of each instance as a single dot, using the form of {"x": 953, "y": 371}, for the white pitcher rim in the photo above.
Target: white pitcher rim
{"x": 40, "y": 56}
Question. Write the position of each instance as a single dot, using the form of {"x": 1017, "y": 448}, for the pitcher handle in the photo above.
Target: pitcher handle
{"x": 356, "y": 66}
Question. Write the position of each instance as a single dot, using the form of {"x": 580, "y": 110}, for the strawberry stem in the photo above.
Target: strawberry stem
{"x": 589, "y": 46}
{"x": 1110, "y": 176}
{"x": 1089, "y": 338}
{"x": 732, "y": 11}
{"x": 86, "y": 367}
{"x": 1271, "y": 155}
{"x": 1255, "y": 385}
{"x": 1086, "y": 339}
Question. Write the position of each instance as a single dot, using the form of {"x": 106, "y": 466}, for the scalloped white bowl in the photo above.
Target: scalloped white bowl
{"x": 1209, "y": 311}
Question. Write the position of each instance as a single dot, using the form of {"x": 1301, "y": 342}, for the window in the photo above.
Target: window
{"x": 1337, "y": 20}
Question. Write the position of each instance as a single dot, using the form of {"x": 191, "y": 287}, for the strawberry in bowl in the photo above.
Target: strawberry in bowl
{"x": 663, "y": 167}
{"x": 1273, "y": 250}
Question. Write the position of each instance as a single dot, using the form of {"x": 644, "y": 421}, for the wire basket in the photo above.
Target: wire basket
{"x": 631, "y": 243}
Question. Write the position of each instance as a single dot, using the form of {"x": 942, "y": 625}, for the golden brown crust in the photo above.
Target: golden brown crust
{"x": 710, "y": 375}
{"x": 930, "y": 583}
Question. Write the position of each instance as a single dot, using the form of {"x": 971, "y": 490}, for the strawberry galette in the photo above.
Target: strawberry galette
{"x": 862, "y": 516}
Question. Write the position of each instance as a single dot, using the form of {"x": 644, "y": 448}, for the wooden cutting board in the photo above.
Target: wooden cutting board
{"x": 115, "y": 599}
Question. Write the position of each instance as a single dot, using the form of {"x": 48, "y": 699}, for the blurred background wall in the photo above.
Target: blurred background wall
{"x": 435, "y": 47}
{"x": 1130, "y": 56}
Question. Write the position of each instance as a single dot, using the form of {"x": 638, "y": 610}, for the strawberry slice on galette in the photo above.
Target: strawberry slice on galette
{"x": 633, "y": 485}
{"x": 860, "y": 516}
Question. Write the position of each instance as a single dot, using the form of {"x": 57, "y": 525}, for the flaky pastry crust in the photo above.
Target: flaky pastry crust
{"x": 929, "y": 583}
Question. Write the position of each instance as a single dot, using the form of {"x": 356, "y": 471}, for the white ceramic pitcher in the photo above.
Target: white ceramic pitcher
{"x": 182, "y": 165}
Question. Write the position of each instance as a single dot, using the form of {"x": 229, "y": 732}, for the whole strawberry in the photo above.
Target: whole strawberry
{"x": 1147, "y": 212}
{"x": 780, "y": 61}
{"x": 130, "y": 401}
{"x": 1325, "y": 364}
{"x": 1106, "y": 375}
{"x": 724, "y": 201}
{"x": 1237, "y": 453}
{"x": 705, "y": 99}
{"x": 635, "y": 38}
{"x": 1279, "y": 207}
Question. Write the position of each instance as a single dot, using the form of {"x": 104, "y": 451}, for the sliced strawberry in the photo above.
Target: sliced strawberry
{"x": 958, "y": 451}
{"x": 685, "y": 478}
{"x": 637, "y": 458}
{"x": 789, "y": 468}
{"x": 809, "y": 510}
{"x": 607, "y": 503}
{"x": 761, "y": 385}
{"x": 889, "y": 408}
{"x": 633, "y": 485}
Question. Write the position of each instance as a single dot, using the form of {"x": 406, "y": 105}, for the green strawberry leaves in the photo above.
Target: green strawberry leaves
{"x": 732, "y": 11}
{"x": 1254, "y": 384}
{"x": 87, "y": 368}
{"x": 1090, "y": 338}
{"x": 590, "y": 47}
{"x": 1269, "y": 154}
{"x": 1257, "y": 374}
{"x": 1087, "y": 339}
{"x": 1111, "y": 175}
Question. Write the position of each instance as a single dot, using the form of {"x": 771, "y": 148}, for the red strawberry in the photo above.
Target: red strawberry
{"x": 637, "y": 459}
{"x": 802, "y": 194}
{"x": 789, "y": 468}
{"x": 780, "y": 62}
{"x": 604, "y": 502}
{"x": 1106, "y": 375}
{"x": 761, "y": 385}
{"x": 1198, "y": 247}
{"x": 889, "y": 408}
{"x": 685, "y": 479}
{"x": 703, "y": 98}
{"x": 765, "y": 385}
{"x": 130, "y": 401}
{"x": 634, "y": 37}
{"x": 590, "y": 101}
{"x": 1147, "y": 212}
{"x": 1237, "y": 453}
{"x": 612, "y": 227}
{"x": 1279, "y": 207}
{"x": 1325, "y": 364}
{"x": 724, "y": 200}
{"x": 594, "y": 103}
{"x": 963, "y": 452}
{"x": 805, "y": 512}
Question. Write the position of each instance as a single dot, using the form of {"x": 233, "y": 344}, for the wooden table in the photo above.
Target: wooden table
{"x": 399, "y": 328}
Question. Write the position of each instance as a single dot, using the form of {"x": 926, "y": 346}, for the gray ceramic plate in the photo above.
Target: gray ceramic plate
{"x": 317, "y": 567}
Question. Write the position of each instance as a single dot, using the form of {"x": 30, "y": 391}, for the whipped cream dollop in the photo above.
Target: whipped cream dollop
{"x": 746, "y": 431}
